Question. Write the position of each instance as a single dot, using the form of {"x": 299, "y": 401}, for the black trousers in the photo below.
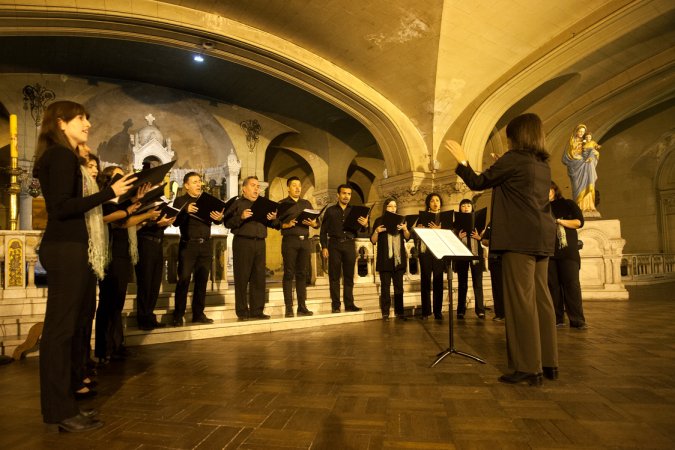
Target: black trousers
{"x": 193, "y": 257}
{"x": 462, "y": 269}
{"x": 68, "y": 275}
{"x": 563, "y": 282}
{"x": 495, "y": 267}
{"x": 386, "y": 278}
{"x": 341, "y": 260}
{"x": 148, "y": 279}
{"x": 112, "y": 294}
{"x": 429, "y": 266}
{"x": 248, "y": 265}
{"x": 295, "y": 253}
{"x": 83, "y": 333}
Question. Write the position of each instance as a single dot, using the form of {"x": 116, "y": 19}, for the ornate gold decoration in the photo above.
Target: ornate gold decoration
{"x": 15, "y": 264}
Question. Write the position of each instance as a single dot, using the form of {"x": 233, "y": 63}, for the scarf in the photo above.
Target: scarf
{"x": 99, "y": 254}
{"x": 562, "y": 237}
{"x": 133, "y": 245}
{"x": 394, "y": 244}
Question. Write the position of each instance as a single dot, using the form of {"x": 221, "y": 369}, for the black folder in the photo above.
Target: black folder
{"x": 206, "y": 203}
{"x": 309, "y": 214}
{"x": 169, "y": 211}
{"x": 471, "y": 221}
{"x": 351, "y": 222}
{"x": 411, "y": 220}
{"x": 286, "y": 210}
{"x": 261, "y": 208}
{"x": 391, "y": 221}
{"x": 153, "y": 176}
{"x": 446, "y": 219}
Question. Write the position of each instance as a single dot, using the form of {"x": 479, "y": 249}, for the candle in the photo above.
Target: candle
{"x": 13, "y": 148}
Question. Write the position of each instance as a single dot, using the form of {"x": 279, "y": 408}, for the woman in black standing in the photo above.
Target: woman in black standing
{"x": 564, "y": 265}
{"x": 391, "y": 260}
{"x": 430, "y": 265}
{"x": 64, "y": 254}
{"x": 523, "y": 232}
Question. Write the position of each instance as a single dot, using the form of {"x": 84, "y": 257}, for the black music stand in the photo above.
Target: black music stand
{"x": 445, "y": 245}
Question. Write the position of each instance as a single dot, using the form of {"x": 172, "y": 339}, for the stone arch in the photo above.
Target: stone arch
{"x": 665, "y": 190}
{"x": 399, "y": 140}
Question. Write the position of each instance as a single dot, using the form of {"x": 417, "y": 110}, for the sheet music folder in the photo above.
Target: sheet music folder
{"x": 446, "y": 218}
{"x": 469, "y": 221}
{"x": 206, "y": 203}
{"x": 309, "y": 214}
{"x": 261, "y": 207}
{"x": 444, "y": 243}
{"x": 153, "y": 176}
{"x": 351, "y": 222}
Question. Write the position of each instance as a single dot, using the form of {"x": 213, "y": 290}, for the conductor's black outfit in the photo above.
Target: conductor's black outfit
{"x": 295, "y": 251}
{"x": 341, "y": 256}
{"x": 194, "y": 256}
{"x": 248, "y": 260}
{"x": 64, "y": 254}
{"x": 564, "y": 265}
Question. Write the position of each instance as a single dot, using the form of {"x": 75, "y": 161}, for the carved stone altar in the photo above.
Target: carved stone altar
{"x": 600, "y": 274}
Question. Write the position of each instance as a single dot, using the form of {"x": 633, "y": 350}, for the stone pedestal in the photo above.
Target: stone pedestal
{"x": 601, "y": 260}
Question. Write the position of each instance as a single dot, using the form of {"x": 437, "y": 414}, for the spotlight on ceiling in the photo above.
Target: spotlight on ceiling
{"x": 198, "y": 58}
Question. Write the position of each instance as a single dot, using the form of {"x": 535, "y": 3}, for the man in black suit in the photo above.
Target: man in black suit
{"x": 194, "y": 251}
{"x": 338, "y": 247}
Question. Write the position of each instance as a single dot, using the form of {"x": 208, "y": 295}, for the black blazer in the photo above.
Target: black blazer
{"x": 521, "y": 212}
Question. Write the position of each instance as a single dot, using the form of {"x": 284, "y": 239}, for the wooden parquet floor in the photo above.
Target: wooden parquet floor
{"x": 368, "y": 385}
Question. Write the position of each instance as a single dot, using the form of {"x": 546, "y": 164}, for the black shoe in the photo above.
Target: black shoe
{"x": 177, "y": 322}
{"x": 158, "y": 324}
{"x": 353, "y": 308}
{"x": 90, "y": 384}
{"x": 385, "y": 317}
{"x": 304, "y": 312}
{"x": 289, "y": 312}
{"x": 438, "y": 317}
{"x": 146, "y": 327}
{"x": 401, "y": 317}
{"x": 550, "y": 373}
{"x": 76, "y": 424}
{"x": 260, "y": 316}
{"x": 202, "y": 319}
{"x": 481, "y": 316}
{"x": 533, "y": 379}
{"x": 335, "y": 310}
{"x": 579, "y": 326}
{"x": 242, "y": 319}
{"x": 498, "y": 319}
{"x": 460, "y": 316}
{"x": 424, "y": 317}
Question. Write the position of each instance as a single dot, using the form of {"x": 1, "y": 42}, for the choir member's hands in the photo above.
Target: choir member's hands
{"x": 192, "y": 208}
{"x": 310, "y": 223}
{"x": 461, "y": 234}
{"x": 133, "y": 208}
{"x": 403, "y": 227}
{"x": 245, "y": 214}
{"x": 363, "y": 221}
{"x": 380, "y": 229}
{"x": 123, "y": 185}
{"x": 165, "y": 221}
{"x": 153, "y": 214}
{"x": 475, "y": 235}
{"x": 272, "y": 215}
{"x": 217, "y": 216}
{"x": 324, "y": 253}
{"x": 142, "y": 190}
{"x": 434, "y": 225}
{"x": 290, "y": 224}
{"x": 455, "y": 149}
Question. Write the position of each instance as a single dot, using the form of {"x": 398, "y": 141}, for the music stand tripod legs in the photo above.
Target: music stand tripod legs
{"x": 451, "y": 347}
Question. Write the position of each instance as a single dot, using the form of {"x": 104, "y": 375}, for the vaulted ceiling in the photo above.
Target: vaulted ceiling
{"x": 392, "y": 77}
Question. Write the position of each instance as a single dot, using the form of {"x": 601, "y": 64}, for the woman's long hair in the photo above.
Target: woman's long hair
{"x": 105, "y": 175}
{"x": 50, "y": 131}
{"x": 526, "y": 132}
